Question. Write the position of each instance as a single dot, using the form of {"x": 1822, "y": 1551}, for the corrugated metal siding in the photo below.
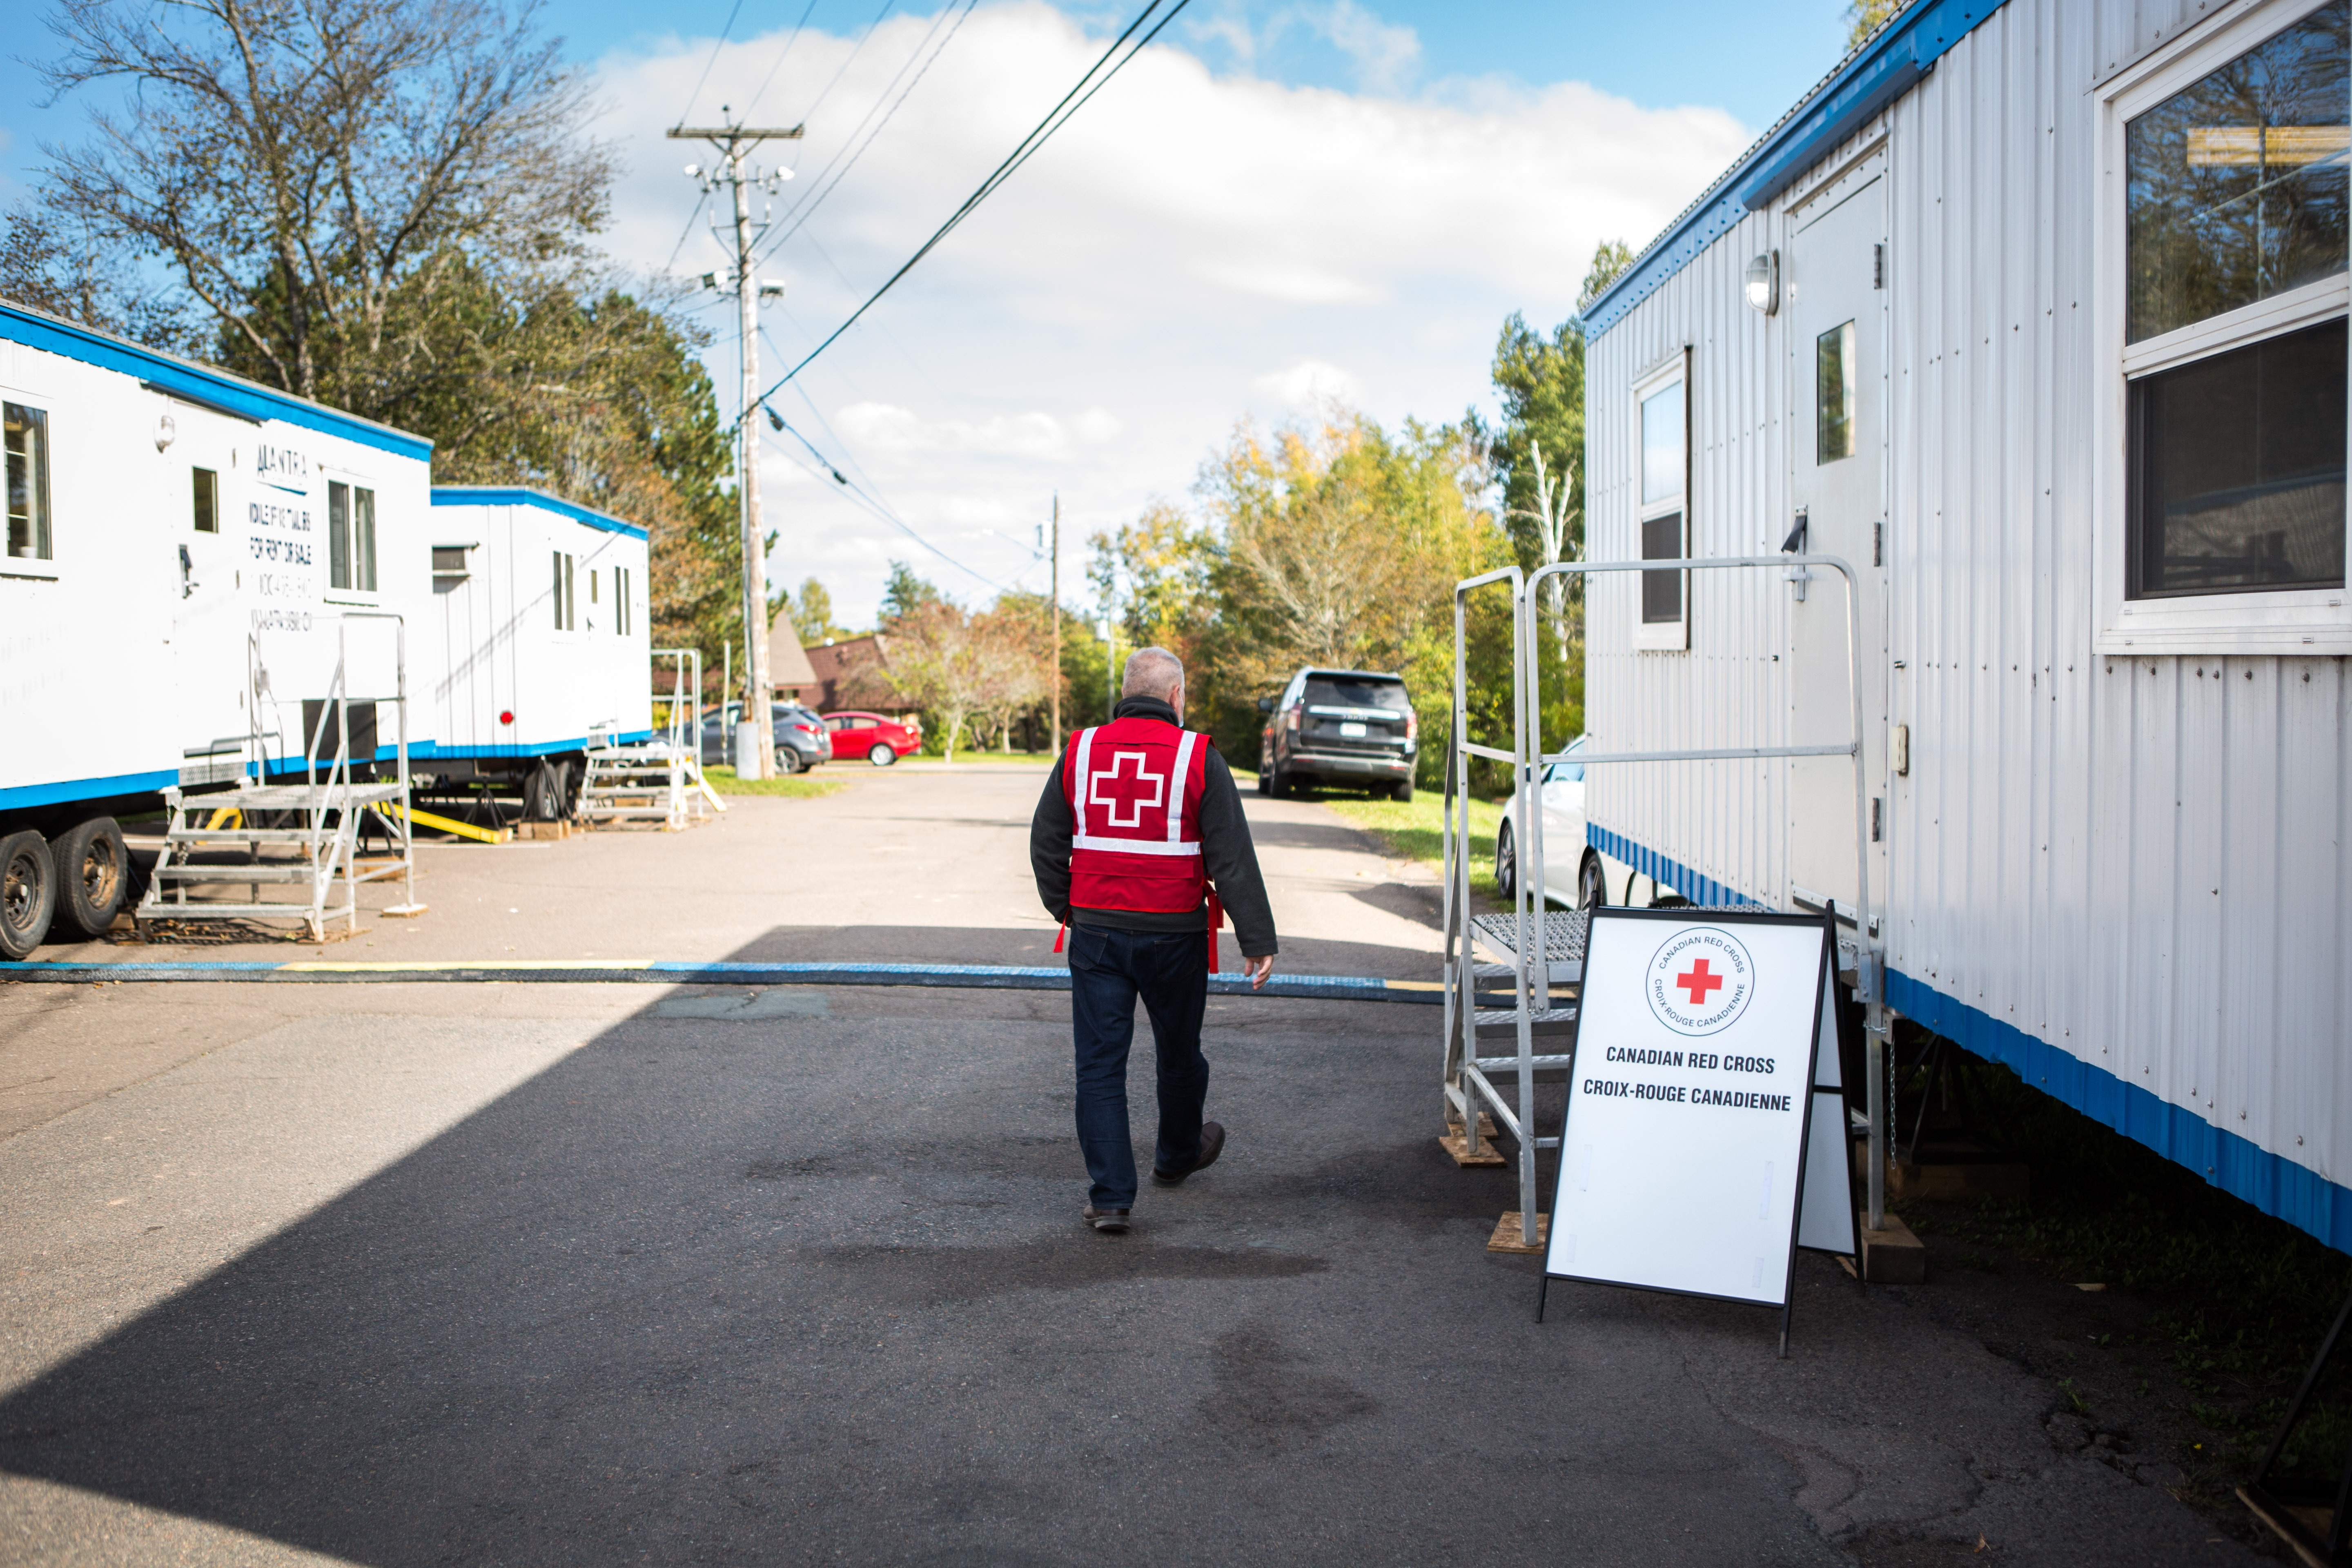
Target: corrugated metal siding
{"x": 2141, "y": 864}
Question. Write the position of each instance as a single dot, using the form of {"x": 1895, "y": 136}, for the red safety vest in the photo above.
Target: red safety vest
{"x": 1134, "y": 787}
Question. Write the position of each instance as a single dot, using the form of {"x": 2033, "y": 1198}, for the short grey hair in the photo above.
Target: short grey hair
{"x": 1152, "y": 672}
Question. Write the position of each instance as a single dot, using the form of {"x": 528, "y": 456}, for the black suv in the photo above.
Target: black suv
{"x": 1348, "y": 727}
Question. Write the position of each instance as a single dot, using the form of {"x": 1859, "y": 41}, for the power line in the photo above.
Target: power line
{"x": 716, "y": 45}
{"x": 1056, "y": 118}
{"x": 700, "y": 202}
{"x": 780, "y": 61}
{"x": 800, "y": 212}
{"x": 856, "y": 50}
{"x": 825, "y": 471}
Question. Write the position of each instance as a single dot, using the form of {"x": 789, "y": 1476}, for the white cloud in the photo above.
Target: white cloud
{"x": 1100, "y": 322}
{"x": 1385, "y": 56}
{"x": 1309, "y": 386}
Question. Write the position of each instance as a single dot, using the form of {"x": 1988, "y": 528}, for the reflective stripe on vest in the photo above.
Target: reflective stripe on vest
{"x": 1134, "y": 787}
{"x": 1089, "y": 792}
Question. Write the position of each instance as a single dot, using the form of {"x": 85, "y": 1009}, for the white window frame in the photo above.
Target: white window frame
{"x": 328, "y": 474}
{"x": 35, "y": 568}
{"x": 2290, "y": 621}
{"x": 1662, "y": 636}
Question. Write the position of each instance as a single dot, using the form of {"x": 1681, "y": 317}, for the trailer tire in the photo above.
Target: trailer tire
{"x": 93, "y": 873}
{"x": 883, "y": 755}
{"x": 28, "y": 894}
{"x": 547, "y": 791}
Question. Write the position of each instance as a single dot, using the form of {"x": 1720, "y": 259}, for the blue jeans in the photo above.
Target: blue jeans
{"x": 1108, "y": 970}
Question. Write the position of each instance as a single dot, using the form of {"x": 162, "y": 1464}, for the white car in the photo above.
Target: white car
{"x": 1574, "y": 873}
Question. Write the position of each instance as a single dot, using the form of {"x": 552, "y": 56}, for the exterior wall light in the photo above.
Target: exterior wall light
{"x": 1764, "y": 282}
{"x": 167, "y": 430}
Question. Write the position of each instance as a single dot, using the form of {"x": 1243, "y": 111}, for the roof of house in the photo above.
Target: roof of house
{"x": 1880, "y": 69}
{"x": 200, "y": 384}
{"x": 788, "y": 663}
{"x": 518, "y": 495}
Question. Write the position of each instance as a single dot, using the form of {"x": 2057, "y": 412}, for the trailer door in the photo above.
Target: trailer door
{"x": 1836, "y": 272}
{"x": 209, "y": 554}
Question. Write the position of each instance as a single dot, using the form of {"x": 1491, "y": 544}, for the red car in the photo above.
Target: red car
{"x": 869, "y": 735}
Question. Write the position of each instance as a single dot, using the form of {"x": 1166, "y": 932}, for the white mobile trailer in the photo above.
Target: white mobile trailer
{"x": 2098, "y": 529}
{"x": 541, "y": 637}
{"x": 181, "y": 542}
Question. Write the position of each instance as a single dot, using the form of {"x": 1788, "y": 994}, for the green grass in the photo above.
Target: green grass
{"x": 798, "y": 787}
{"x": 1415, "y": 829}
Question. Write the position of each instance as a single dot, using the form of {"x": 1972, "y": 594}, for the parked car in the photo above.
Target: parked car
{"x": 800, "y": 739}
{"x": 1338, "y": 727}
{"x": 878, "y": 740}
{"x": 1573, "y": 871}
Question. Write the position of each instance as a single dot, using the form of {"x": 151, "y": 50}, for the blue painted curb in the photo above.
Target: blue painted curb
{"x": 965, "y": 976}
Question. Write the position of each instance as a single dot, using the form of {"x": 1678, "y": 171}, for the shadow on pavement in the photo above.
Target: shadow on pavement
{"x": 797, "y": 1275}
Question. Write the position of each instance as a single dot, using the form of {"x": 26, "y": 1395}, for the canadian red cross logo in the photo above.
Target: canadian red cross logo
{"x": 1127, "y": 790}
{"x": 1699, "y": 980}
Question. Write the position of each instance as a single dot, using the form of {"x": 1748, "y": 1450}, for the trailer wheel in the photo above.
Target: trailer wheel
{"x": 93, "y": 878}
{"x": 542, "y": 793}
{"x": 28, "y": 894}
{"x": 883, "y": 754}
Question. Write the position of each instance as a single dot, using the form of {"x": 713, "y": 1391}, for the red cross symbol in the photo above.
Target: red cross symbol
{"x": 1128, "y": 790}
{"x": 1698, "y": 982}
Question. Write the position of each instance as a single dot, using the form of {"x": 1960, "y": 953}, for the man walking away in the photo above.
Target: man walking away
{"x": 1138, "y": 840}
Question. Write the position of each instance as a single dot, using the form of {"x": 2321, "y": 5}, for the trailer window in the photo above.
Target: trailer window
{"x": 1834, "y": 394}
{"x": 364, "y": 538}
{"x": 27, "y": 443}
{"x": 2236, "y": 186}
{"x": 621, "y": 601}
{"x": 207, "y": 500}
{"x": 2237, "y": 475}
{"x": 567, "y": 603}
{"x": 1662, "y": 514}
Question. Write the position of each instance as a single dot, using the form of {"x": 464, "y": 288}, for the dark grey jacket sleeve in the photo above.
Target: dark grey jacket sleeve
{"x": 1049, "y": 844}
{"x": 1231, "y": 860}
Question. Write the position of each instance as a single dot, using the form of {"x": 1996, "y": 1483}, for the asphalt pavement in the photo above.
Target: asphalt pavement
{"x": 434, "y": 1273}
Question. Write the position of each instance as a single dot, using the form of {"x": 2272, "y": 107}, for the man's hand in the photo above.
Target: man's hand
{"x": 1259, "y": 971}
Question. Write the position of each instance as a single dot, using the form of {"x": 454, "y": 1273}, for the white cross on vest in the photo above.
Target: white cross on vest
{"x": 1127, "y": 790}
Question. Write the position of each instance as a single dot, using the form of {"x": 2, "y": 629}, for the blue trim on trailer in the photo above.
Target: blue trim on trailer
{"x": 1690, "y": 884}
{"x": 229, "y": 394}
{"x": 2271, "y": 1183}
{"x": 535, "y": 748}
{"x": 20, "y": 797}
{"x": 517, "y": 495}
{"x": 1874, "y": 76}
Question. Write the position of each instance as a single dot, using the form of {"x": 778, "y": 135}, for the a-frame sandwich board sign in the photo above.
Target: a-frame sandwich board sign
{"x": 1826, "y": 1212}
{"x": 1690, "y": 1105}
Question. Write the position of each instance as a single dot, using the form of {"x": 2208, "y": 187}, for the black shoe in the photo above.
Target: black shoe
{"x": 1212, "y": 1143}
{"x": 1111, "y": 1222}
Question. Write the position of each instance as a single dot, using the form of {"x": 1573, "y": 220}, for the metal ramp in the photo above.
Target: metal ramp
{"x": 659, "y": 780}
{"x": 1532, "y": 951}
{"x": 301, "y": 836}
{"x": 637, "y": 783}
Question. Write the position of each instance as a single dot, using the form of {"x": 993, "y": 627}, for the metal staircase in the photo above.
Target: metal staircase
{"x": 301, "y": 836}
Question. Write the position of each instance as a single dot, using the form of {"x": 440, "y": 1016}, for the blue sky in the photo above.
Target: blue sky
{"x": 1278, "y": 206}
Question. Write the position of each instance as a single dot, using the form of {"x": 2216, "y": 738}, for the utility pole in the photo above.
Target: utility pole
{"x": 1053, "y": 743}
{"x": 734, "y": 142}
